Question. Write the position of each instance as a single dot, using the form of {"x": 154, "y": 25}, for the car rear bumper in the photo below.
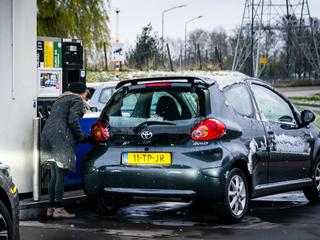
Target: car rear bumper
{"x": 155, "y": 182}
{"x": 195, "y": 172}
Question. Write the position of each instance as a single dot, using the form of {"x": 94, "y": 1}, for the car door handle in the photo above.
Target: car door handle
{"x": 270, "y": 132}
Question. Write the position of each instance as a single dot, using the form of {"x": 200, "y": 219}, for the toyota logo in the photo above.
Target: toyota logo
{"x": 146, "y": 135}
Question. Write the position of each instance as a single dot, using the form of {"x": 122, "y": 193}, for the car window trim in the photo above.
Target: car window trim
{"x": 294, "y": 113}
{"x": 252, "y": 114}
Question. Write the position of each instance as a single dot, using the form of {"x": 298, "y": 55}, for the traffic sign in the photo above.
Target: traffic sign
{"x": 117, "y": 52}
{"x": 263, "y": 60}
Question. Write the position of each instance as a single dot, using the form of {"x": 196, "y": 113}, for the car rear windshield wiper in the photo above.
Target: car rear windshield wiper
{"x": 140, "y": 126}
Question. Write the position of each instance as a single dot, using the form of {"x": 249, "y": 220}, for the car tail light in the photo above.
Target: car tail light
{"x": 99, "y": 132}
{"x": 163, "y": 84}
{"x": 207, "y": 130}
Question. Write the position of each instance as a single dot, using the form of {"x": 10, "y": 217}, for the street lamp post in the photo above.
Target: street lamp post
{"x": 163, "y": 12}
{"x": 185, "y": 38}
{"x": 117, "y": 25}
{"x": 117, "y": 63}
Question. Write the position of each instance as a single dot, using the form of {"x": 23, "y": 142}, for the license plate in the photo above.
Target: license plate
{"x": 146, "y": 158}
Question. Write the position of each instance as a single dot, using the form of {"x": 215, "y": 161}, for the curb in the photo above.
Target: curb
{"x": 33, "y": 210}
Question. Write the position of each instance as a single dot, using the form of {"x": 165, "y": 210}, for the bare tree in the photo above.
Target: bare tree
{"x": 198, "y": 36}
{"x": 218, "y": 39}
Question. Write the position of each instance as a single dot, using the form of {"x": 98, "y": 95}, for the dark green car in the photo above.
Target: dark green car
{"x": 9, "y": 206}
{"x": 219, "y": 139}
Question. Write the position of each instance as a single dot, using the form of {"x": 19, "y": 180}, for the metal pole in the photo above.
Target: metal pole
{"x": 162, "y": 26}
{"x": 117, "y": 63}
{"x": 256, "y": 71}
{"x": 235, "y": 59}
{"x": 185, "y": 39}
{"x": 117, "y": 25}
{"x": 36, "y": 160}
{"x": 13, "y": 59}
{"x": 162, "y": 41}
{"x": 252, "y": 39}
{"x": 185, "y": 45}
{"x": 314, "y": 41}
{"x": 288, "y": 38}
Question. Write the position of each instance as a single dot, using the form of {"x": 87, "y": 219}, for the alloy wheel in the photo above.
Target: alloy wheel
{"x": 237, "y": 195}
{"x": 317, "y": 177}
{"x": 4, "y": 235}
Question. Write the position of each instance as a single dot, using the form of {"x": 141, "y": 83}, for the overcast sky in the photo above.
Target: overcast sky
{"x": 136, "y": 14}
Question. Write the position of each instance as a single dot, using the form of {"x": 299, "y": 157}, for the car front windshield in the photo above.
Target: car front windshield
{"x": 163, "y": 106}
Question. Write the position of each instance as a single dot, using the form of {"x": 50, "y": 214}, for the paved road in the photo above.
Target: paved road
{"x": 285, "y": 216}
{"x": 299, "y": 91}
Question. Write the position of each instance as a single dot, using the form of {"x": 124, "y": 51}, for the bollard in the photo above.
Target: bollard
{"x": 117, "y": 71}
{"x": 36, "y": 160}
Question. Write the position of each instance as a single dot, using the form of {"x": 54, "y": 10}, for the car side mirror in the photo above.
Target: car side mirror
{"x": 307, "y": 117}
{"x": 93, "y": 109}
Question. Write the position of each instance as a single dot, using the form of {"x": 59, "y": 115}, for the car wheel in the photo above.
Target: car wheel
{"x": 104, "y": 204}
{"x": 313, "y": 193}
{"x": 6, "y": 226}
{"x": 236, "y": 197}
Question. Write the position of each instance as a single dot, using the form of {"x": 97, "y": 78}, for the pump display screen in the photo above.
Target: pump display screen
{"x": 72, "y": 48}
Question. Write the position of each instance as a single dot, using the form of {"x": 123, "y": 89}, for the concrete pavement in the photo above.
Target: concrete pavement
{"x": 283, "y": 216}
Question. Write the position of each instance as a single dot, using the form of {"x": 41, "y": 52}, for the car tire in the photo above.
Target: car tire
{"x": 6, "y": 225}
{"x": 235, "y": 198}
{"x": 313, "y": 193}
{"x": 104, "y": 204}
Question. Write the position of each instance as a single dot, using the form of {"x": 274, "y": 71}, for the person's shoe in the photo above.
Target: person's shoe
{"x": 62, "y": 213}
{"x": 50, "y": 211}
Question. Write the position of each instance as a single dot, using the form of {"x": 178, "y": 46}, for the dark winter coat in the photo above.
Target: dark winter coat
{"x": 62, "y": 130}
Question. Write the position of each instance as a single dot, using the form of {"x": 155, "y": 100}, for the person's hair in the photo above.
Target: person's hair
{"x": 77, "y": 87}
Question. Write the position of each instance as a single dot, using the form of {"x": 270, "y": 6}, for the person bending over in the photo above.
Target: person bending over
{"x": 58, "y": 138}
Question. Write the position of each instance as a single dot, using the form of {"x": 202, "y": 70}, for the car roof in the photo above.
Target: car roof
{"x": 227, "y": 78}
{"x": 102, "y": 84}
{"x": 222, "y": 78}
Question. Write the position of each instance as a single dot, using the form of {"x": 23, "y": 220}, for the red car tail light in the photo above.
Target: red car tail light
{"x": 163, "y": 84}
{"x": 208, "y": 130}
{"x": 99, "y": 132}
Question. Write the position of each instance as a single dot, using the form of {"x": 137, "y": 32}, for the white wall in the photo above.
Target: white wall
{"x": 18, "y": 88}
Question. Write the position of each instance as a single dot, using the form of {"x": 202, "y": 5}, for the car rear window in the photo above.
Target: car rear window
{"x": 170, "y": 105}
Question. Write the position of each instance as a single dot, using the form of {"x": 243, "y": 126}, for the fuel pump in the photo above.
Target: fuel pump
{"x": 72, "y": 62}
{"x": 60, "y": 62}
